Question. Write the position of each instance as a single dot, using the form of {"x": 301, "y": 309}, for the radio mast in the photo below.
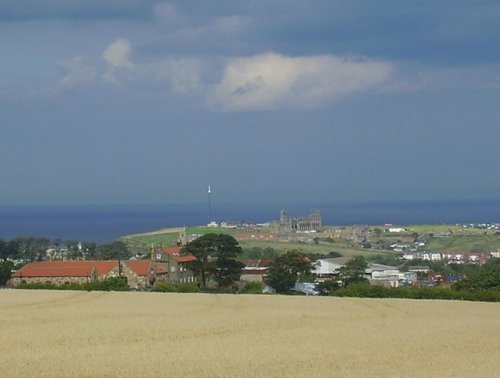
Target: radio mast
{"x": 209, "y": 204}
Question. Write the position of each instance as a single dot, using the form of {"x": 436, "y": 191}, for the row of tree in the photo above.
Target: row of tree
{"x": 35, "y": 249}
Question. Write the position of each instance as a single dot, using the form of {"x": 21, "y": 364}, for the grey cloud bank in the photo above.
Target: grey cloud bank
{"x": 145, "y": 102}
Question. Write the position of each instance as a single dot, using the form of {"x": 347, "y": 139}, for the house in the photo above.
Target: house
{"x": 328, "y": 268}
{"x": 255, "y": 270}
{"x": 65, "y": 272}
{"x": 175, "y": 263}
{"x": 383, "y": 275}
{"x": 454, "y": 257}
{"x": 143, "y": 273}
{"x": 377, "y": 271}
{"x": 60, "y": 272}
{"x": 139, "y": 274}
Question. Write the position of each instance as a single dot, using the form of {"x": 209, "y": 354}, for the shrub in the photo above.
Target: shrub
{"x": 109, "y": 284}
{"x": 327, "y": 287}
{"x": 252, "y": 288}
{"x": 167, "y": 287}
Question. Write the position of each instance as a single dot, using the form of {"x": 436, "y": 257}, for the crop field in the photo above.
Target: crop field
{"x": 110, "y": 334}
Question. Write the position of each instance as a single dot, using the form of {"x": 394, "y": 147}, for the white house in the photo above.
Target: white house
{"x": 325, "y": 268}
{"x": 383, "y": 274}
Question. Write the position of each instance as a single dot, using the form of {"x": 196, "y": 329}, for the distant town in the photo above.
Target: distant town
{"x": 393, "y": 256}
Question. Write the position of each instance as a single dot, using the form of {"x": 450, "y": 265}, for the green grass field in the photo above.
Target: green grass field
{"x": 461, "y": 239}
{"x": 170, "y": 236}
{"x": 465, "y": 243}
{"x": 322, "y": 248}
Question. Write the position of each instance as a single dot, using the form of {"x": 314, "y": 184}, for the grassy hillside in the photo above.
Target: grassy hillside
{"x": 322, "y": 248}
{"x": 459, "y": 239}
{"x": 142, "y": 242}
{"x": 111, "y": 334}
{"x": 465, "y": 243}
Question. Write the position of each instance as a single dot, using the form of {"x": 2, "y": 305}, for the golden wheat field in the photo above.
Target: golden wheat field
{"x": 111, "y": 334}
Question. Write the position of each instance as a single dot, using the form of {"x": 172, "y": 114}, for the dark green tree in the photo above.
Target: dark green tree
{"x": 5, "y": 271}
{"x": 488, "y": 278}
{"x": 291, "y": 267}
{"x": 215, "y": 257}
{"x": 113, "y": 251}
{"x": 74, "y": 251}
{"x": 227, "y": 271}
{"x": 29, "y": 248}
{"x": 3, "y": 249}
{"x": 353, "y": 271}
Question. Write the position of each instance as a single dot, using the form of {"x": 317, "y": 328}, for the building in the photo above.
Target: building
{"x": 175, "y": 263}
{"x": 255, "y": 270}
{"x": 325, "y": 269}
{"x": 140, "y": 274}
{"x": 384, "y": 275}
{"x": 309, "y": 223}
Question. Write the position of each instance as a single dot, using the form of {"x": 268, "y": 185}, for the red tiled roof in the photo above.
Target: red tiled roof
{"x": 173, "y": 250}
{"x": 53, "y": 269}
{"x": 102, "y": 267}
{"x": 141, "y": 267}
{"x": 186, "y": 258}
{"x": 159, "y": 269}
{"x": 65, "y": 268}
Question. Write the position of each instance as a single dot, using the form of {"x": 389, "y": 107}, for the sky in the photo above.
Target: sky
{"x": 134, "y": 101}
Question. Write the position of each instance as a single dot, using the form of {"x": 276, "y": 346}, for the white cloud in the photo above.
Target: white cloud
{"x": 76, "y": 73}
{"x": 183, "y": 75}
{"x": 117, "y": 54}
{"x": 269, "y": 81}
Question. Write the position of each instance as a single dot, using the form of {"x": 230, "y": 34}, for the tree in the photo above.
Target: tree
{"x": 115, "y": 250}
{"x": 353, "y": 271}
{"x": 487, "y": 278}
{"x": 5, "y": 271}
{"x": 29, "y": 248}
{"x": 227, "y": 271}
{"x": 73, "y": 247}
{"x": 285, "y": 270}
{"x": 3, "y": 249}
{"x": 216, "y": 257}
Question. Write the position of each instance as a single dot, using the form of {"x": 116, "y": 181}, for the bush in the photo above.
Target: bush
{"x": 166, "y": 287}
{"x": 363, "y": 290}
{"x": 252, "y": 288}
{"x": 327, "y": 287}
{"x": 37, "y": 286}
{"x": 109, "y": 284}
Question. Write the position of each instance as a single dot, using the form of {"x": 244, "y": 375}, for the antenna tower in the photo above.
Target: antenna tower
{"x": 209, "y": 204}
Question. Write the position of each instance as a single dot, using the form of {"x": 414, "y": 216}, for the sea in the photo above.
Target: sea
{"x": 105, "y": 223}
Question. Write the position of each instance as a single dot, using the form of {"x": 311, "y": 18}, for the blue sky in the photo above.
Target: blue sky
{"x": 128, "y": 101}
